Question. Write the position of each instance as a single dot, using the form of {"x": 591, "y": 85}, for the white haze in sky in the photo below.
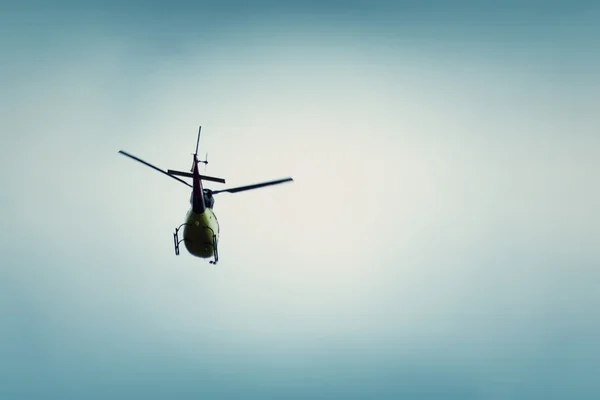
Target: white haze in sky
{"x": 440, "y": 239}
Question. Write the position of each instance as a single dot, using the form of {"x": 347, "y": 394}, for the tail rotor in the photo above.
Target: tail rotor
{"x": 205, "y": 161}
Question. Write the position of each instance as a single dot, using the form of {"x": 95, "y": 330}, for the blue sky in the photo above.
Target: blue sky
{"x": 439, "y": 240}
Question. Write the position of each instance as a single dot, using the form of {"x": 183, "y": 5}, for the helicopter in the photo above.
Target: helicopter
{"x": 201, "y": 228}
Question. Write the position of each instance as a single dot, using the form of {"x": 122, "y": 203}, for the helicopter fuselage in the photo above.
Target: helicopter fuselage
{"x": 201, "y": 233}
{"x": 201, "y": 228}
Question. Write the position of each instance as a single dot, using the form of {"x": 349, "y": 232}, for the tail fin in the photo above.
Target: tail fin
{"x": 198, "y": 140}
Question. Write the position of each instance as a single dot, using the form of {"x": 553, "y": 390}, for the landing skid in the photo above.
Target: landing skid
{"x": 177, "y": 242}
{"x": 216, "y": 260}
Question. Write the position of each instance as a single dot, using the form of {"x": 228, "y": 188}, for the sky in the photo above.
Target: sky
{"x": 439, "y": 241}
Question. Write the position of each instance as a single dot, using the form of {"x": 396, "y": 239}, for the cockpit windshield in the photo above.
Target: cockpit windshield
{"x": 209, "y": 200}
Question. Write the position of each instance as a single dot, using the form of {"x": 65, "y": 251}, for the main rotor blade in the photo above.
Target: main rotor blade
{"x": 254, "y": 186}
{"x": 153, "y": 167}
